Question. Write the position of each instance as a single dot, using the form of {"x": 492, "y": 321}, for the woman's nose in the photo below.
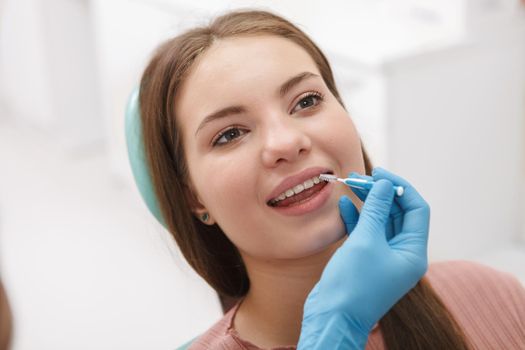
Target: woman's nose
{"x": 284, "y": 142}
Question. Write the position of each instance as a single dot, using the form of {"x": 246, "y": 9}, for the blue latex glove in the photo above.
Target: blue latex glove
{"x": 383, "y": 258}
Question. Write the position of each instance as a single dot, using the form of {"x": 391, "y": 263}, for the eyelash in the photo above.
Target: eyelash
{"x": 223, "y": 133}
{"x": 316, "y": 94}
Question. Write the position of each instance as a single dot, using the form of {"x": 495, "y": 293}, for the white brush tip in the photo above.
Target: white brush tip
{"x": 328, "y": 177}
{"x": 399, "y": 191}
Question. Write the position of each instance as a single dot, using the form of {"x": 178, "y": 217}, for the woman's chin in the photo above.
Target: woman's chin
{"x": 329, "y": 240}
{"x": 338, "y": 240}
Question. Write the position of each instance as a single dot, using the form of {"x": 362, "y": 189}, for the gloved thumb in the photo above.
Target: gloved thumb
{"x": 376, "y": 209}
{"x": 349, "y": 213}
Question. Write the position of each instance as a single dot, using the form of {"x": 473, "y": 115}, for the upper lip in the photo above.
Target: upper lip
{"x": 296, "y": 179}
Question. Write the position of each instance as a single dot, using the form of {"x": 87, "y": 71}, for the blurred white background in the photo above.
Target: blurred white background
{"x": 436, "y": 88}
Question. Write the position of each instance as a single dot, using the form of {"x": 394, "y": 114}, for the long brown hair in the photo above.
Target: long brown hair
{"x": 5, "y": 320}
{"x": 418, "y": 321}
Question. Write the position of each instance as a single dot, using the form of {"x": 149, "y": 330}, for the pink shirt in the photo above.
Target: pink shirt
{"x": 488, "y": 304}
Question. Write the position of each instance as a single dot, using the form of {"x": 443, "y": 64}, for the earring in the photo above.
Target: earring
{"x": 205, "y": 217}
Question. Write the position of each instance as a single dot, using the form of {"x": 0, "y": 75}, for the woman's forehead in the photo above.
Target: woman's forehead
{"x": 242, "y": 65}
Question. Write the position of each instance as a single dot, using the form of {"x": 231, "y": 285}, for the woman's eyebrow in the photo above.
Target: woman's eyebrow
{"x": 285, "y": 87}
{"x": 221, "y": 113}
{"x": 290, "y": 83}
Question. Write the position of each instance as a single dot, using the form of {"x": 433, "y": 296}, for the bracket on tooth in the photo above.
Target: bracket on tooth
{"x": 296, "y": 189}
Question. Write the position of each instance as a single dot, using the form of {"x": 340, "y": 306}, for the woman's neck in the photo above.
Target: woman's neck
{"x": 271, "y": 313}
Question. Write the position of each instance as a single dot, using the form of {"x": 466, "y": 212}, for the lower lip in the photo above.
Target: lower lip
{"x": 316, "y": 201}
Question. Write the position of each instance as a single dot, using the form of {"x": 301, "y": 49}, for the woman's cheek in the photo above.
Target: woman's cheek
{"x": 345, "y": 140}
{"x": 232, "y": 187}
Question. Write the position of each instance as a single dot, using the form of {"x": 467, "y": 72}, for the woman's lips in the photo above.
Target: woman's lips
{"x": 314, "y": 199}
{"x": 298, "y": 198}
{"x": 296, "y": 179}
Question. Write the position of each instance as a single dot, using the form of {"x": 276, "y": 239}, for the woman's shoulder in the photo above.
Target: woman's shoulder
{"x": 472, "y": 275}
{"x": 480, "y": 297}
{"x": 223, "y": 336}
{"x": 217, "y": 336}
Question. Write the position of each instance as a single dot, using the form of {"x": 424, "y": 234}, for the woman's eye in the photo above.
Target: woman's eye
{"x": 228, "y": 136}
{"x": 310, "y": 100}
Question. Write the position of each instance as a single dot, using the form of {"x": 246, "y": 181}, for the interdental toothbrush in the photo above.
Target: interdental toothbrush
{"x": 357, "y": 183}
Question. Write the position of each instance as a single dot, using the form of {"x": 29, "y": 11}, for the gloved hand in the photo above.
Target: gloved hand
{"x": 383, "y": 258}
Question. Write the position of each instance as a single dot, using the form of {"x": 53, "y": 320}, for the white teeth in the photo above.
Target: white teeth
{"x": 297, "y": 189}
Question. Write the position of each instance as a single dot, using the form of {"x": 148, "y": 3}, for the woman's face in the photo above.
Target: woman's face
{"x": 257, "y": 121}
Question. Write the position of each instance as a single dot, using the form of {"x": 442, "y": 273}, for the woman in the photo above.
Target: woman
{"x": 239, "y": 118}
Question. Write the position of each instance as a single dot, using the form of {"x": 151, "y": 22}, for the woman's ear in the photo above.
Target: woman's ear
{"x": 198, "y": 209}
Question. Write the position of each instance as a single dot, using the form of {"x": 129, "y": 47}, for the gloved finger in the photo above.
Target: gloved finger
{"x": 348, "y": 213}
{"x": 396, "y": 215}
{"x": 360, "y": 193}
{"x": 412, "y": 200}
{"x": 396, "y": 220}
{"x": 390, "y": 229}
{"x": 376, "y": 210}
{"x": 416, "y": 211}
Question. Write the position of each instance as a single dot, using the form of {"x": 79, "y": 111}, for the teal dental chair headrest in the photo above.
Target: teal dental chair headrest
{"x": 137, "y": 157}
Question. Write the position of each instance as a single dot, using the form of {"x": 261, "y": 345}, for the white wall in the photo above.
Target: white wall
{"x": 49, "y": 77}
{"x": 456, "y": 126}
{"x": 24, "y": 73}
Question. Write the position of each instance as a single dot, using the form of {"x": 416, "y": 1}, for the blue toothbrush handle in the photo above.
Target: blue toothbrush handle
{"x": 367, "y": 185}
